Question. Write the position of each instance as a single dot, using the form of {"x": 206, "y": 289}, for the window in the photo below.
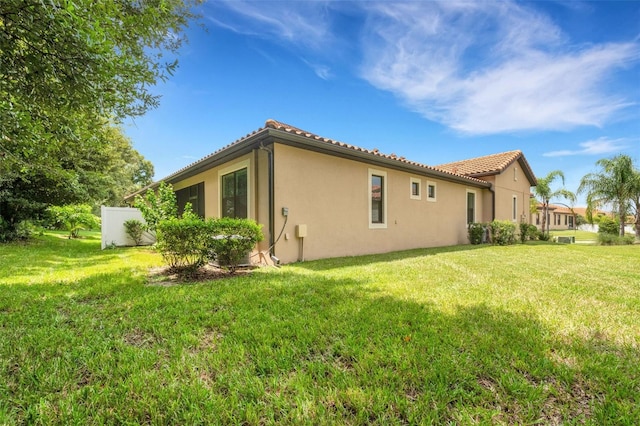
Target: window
{"x": 471, "y": 206}
{"x": 415, "y": 189}
{"x": 514, "y": 209}
{"x": 431, "y": 191}
{"x": 193, "y": 194}
{"x": 377, "y": 199}
{"x": 566, "y": 220}
{"x": 234, "y": 194}
{"x": 538, "y": 219}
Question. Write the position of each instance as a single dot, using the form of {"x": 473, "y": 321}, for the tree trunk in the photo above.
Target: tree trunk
{"x": 623, "y": 217}
{"x": 544, "y": 215}
{"x": 638, "y": 220}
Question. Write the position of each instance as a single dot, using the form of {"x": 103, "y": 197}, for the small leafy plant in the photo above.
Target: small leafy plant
{"x": 73, "y": 218}
{"x": 134, "y": 229}
{"x": 476, "y": 232}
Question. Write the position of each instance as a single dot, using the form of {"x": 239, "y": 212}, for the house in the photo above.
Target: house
{"x": 318, "y": 197}
{"x": 558, "y": 217}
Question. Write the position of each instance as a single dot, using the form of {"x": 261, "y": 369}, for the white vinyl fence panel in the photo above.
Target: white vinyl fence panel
{"x": 113, "y": 232}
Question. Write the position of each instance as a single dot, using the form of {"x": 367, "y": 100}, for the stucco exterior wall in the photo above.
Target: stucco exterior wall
{"x": 330, "y": 195}
{"x": 512, "y": 182}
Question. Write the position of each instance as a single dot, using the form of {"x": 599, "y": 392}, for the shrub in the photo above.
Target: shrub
{"x": 524, "y": 232}
{"x": 233, "y": 239}
{"x": 73, "y": 218}
{"x": 543, "y": 236}
{"x": 503, "y": 232}
{"x": 608, "y": 225}
{"x": 532, "y": 232}
{"x": 134, "y": 229}
{"x": 156, "y": 207}
{"x": 476, "y": 232}
{"x": 22, "y": 231}
{"x": 185, "y": 244}
{"x": 614, "y": 239}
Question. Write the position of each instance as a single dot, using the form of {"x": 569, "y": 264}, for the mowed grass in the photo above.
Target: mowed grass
{"x": 524, "y": 334}
{"x": 581, "y": 236}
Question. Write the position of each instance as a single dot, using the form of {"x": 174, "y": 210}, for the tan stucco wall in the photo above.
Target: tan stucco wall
{"x": 330, "y": 195}
{"x": 512, "y": 182}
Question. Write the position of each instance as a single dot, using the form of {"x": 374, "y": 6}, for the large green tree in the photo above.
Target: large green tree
{"x": 544, "y": 193}
{"x": 70, "y": 71}
{"x": 617, "y": 184}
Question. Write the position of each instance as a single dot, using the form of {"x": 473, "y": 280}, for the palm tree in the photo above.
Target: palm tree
{"x": 635, "y": 198}
{"x": 545, "y": 194}
{"x": 616, "y": 184}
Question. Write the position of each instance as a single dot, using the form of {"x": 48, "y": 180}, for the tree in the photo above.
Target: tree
{"x": 545, "y": 194}
{"x": 69, "y": 71}
{"x": 74, "y": 218}
{"x": 616, "y": 183}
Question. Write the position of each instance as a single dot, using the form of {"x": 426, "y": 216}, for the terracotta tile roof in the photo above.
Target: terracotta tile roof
{"x": 489, "y": 164}
{"x": 277, "y": 125}
{"x": 294, "y": 130}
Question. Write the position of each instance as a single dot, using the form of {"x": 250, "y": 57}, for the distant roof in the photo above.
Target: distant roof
{"x": 490, "y": 165}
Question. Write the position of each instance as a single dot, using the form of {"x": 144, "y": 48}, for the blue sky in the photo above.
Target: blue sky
{"x": 433, "y": 82}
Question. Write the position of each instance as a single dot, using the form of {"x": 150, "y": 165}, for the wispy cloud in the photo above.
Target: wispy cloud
{"x": 490, "y": 67}
{"x": 300, "y": 23}
{"x": 598, "y": 146}
{"x": 476, "y": 67}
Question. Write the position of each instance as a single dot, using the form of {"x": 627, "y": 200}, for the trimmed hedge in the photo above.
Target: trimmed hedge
{"x": 185, "y": 244}
{"x": 503, "y": 232}
{"x": 233, "y": 239}
{"x": 188, "y": 243}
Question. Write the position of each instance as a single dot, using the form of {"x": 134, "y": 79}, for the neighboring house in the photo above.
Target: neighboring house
{"x": 558, "y": 217}
{"x": 319, "y": 198}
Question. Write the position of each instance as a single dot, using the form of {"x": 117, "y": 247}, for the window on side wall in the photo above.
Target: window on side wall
{"x": 416, "y": 193}
{"x": 377, "y": 189}
{"x": 514, "y": 209}
{"x": 431, "y": 191}
{"x": 193, "y": 194}
{"x": 235, "y": 194}
{"x": 471, "y": 206}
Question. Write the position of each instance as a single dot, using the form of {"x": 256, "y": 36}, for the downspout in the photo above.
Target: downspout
{"x": 493, "y": 203}
{"x": 271, "y": 202}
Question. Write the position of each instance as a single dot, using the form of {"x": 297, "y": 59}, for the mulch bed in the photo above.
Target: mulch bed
{"x": 164, "y": 276}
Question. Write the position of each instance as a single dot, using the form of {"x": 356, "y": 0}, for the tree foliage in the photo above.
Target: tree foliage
{"x": 70, "y": 71}
{"x": 617, "y": 183}
{"x": 74, "y": 218}
{"x": 158, "y": 206}
{"x": 544, "y": 192}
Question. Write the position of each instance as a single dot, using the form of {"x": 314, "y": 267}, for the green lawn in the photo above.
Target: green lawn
{"x": 581, "y": 236}
{"x": 525, "y": 334}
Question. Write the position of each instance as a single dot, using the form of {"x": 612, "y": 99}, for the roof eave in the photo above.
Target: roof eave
{"x": 322, "y": 146}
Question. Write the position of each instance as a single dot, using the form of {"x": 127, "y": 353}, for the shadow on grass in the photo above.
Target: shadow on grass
{"x": 285, "y": 347}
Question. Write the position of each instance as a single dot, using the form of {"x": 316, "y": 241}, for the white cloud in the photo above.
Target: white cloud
{"x": 490, "y": 67}
{"x": 598, "y": 146}
{"x": 300, "y": 23}
{"x": 477, "y": 67}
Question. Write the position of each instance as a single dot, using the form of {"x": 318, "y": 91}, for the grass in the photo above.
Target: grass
{"x": 584, "y": 237}
{"x": 527, "y": 334}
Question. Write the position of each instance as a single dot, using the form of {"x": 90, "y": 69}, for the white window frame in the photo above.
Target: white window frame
{"x": 514, "y": 208}
{"x": 230, "y": 169}
{"x": 435, "y": 191}
{"x": 466, "y": 205}
{"x": 385, "y": 197}
{"x": 419, "y": 182}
